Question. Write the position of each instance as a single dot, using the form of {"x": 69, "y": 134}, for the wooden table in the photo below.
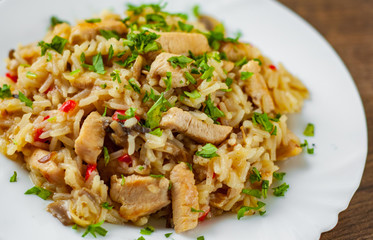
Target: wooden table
{"x": 348, "y": 26}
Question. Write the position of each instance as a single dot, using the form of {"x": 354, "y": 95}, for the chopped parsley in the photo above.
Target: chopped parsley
{"x": 263, "y": 120}
{"x": 208, "y": 74}
{"x": 255, "y": 176}
{"x": 208, "y": 151}
{"x": 201, "y": 238}
{"x": 157, "y": 132}
{"x": 58, "y": 44}
{"x": 13, "y": 178}
{"x": 244, "y": 209}
{"x": 280, "y": 190}
{"x": 115, "y": 76}
{"x": 147, "y": 230}
{"x": 5, "y": 91}
{"x": 82, "y": 57}
{"x": 241, "y": 62}
{"x": 93, "y": 20}
{"x": 154, "y": 115}
{"x": 246, "y": 75}
{"x": 193, "y": 95}
{"x": 310, "y": 130}
{"x": 75, "y": 72}
{"x": 130, "y": 113}
{"x": 142, "y": 42}
{"x": 279, "y": 176}
{"x": 185, "y": 27}
{"x": 97, "y": 65}
{"x": 111, "y": 53}
{"x": 156, "y": 176}
{"x": 167, "y": 235}
{"x": 104, "y": 114}
{"x": 196, "y": 210}
{"x": 39, "y": 191}
{"x": 141, "y": 238}
{"x": 252, "y": 192}
{"x": 103, "y": 86}
{"x": 49, "y": 58}
{"x": 137, "y": 10}
{"x": 75, "y": 227}
{"x": 213, "y": 112}
{"x": 123, "y": 180}
{"x": 95, "y": 228}
{"x": 134, "y": 86}
{"x": 141, "y": 168}
{"x": 55, "y": 20}
{"x": 168, "y": 81}
{"x": 107, "y": 34}
{"x": 196, "y": 12}
{"x": 106, "y": 205}
{"x": 190, "y": 166}
{"x": 180, "y": 61}
{"x": 258, "y": 60}
{"x": 190, "y": 78}
{"x": 265, "y": 186}
{"x": 106, "y": 156}
{"x": 129, "y": 60}
{"x": 228, "y": 81}
{"x": 24, "y": 99}
{"x": 309, "y": 150}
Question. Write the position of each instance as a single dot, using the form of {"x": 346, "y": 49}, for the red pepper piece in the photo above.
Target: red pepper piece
{"x": 46, "y": 117}
{"x": 90, "y": 169}
{"x": 68, "y": 106}
{"x": 273, "y": 67}
{"x": 37, "y": 134}
{"x": 213, "y": 175}
{"x": 116, "y": 113}
{"x": 13, "y": 78}
{"x": 125, "y": 158}
{"x": 203, "y": 215}
{"x": 137, "y": 117}
{"x": 48, "y": 90}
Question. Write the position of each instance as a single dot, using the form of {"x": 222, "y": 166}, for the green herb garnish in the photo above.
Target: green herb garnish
{"x": 263, "y": 120}
{"x": 252, "y": 192}
{"x": 280, "y": 190}
{"x": 180, "y": 61}
{"x": 134, "y": 86}
{"x": 310, "y": 130}
{"x": 309, "y": 150}
{"x": 106, "y": 156}
{"x": 111, "y": 53}
{"x": 75, "y": 72}
{"x": 24, "y": 99}
{"x": 168, "y": 81}
{"x": 265, "y": 186}
{"x": 40, "y": 192}
{"x": 246, "y": 75}
{"x": 107, "y": 34}
{"x": 255, "y": 176}
{"x": 95, "y": 228}
{"x": 185, "y": 27}
{"x": 13, "y": 178}
{"x": 93, "y": 20}
{"x": 190, "y": 78}
{"x": 106, "y": 205}
{"x": 147, "y": 230}
{"x": 156, "y": 176}
{"x": 154, "y": 115}
{"x": 157, "y": 132}
{"x": 55, "y": 20}
{"x": 241, "y": 62}
{"x": 213, "y": 112}
{"x": 167, "y": 235}
{"x": 130, "y": 113}
{"x": 5, "y": 91}
{"x": 279, "y": 176}
{"x": 208, "y": 151}
{"x": 196, "y": 210}
{"x": 97, "y": 65}
{"x": 244, "y": 209}
{"x": 193, "y": 95}
{"x": 58, "y": 44}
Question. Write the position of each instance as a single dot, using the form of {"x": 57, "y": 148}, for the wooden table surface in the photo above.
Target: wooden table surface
{"x": 348, "y": 26}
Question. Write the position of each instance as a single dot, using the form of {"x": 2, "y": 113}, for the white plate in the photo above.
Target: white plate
{"x": 321, "y": 185}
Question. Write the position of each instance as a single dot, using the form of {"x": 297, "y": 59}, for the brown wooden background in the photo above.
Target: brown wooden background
{"x": 348, "y": 26}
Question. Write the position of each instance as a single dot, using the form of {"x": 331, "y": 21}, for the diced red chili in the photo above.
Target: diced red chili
{"x": 48, "y": 90}
{"x": 13, "y": 78}
{"x": 46, "y": 117}
{"x": 116, "y": 113}
{"x": 137, "y": 117}
{"x": 37, "y": 134}
{"x": 273, "y": 67}
{"x": 213, "y": 175}
{"x": 125, "y": 158}
{"x": 68, "y": 106}
{"x": 90, "y": 169}
{"x": 203, "y": 215}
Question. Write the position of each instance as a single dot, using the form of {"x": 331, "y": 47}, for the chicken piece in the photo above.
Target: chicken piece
{"x": 60, "y": 210}
{"x": 139, "y": 196}
{"x": 291, "y": 149}
{"x": 184, "y": 197}
{"x": 87, "y": 31}
{"x": 184, "y": 122}
{"x": 43, "y": 161}
{"x": 85, "y": 80}
{"x": 181, "y": 43}
{"x": 137, "y": 67}
{"x": 161, "y": 66}
{"x": 256, "y": 87}
{"x": 90, "y": 141}
{"x": 237, "y": 51}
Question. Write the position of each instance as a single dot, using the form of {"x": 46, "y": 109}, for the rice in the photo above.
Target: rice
{"x": 66, "y": 85}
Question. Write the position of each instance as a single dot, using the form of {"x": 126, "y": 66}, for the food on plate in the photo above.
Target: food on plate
{"x": 119, "y": 119}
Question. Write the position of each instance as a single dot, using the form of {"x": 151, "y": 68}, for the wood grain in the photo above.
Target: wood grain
{"x": 348, "y": 26}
